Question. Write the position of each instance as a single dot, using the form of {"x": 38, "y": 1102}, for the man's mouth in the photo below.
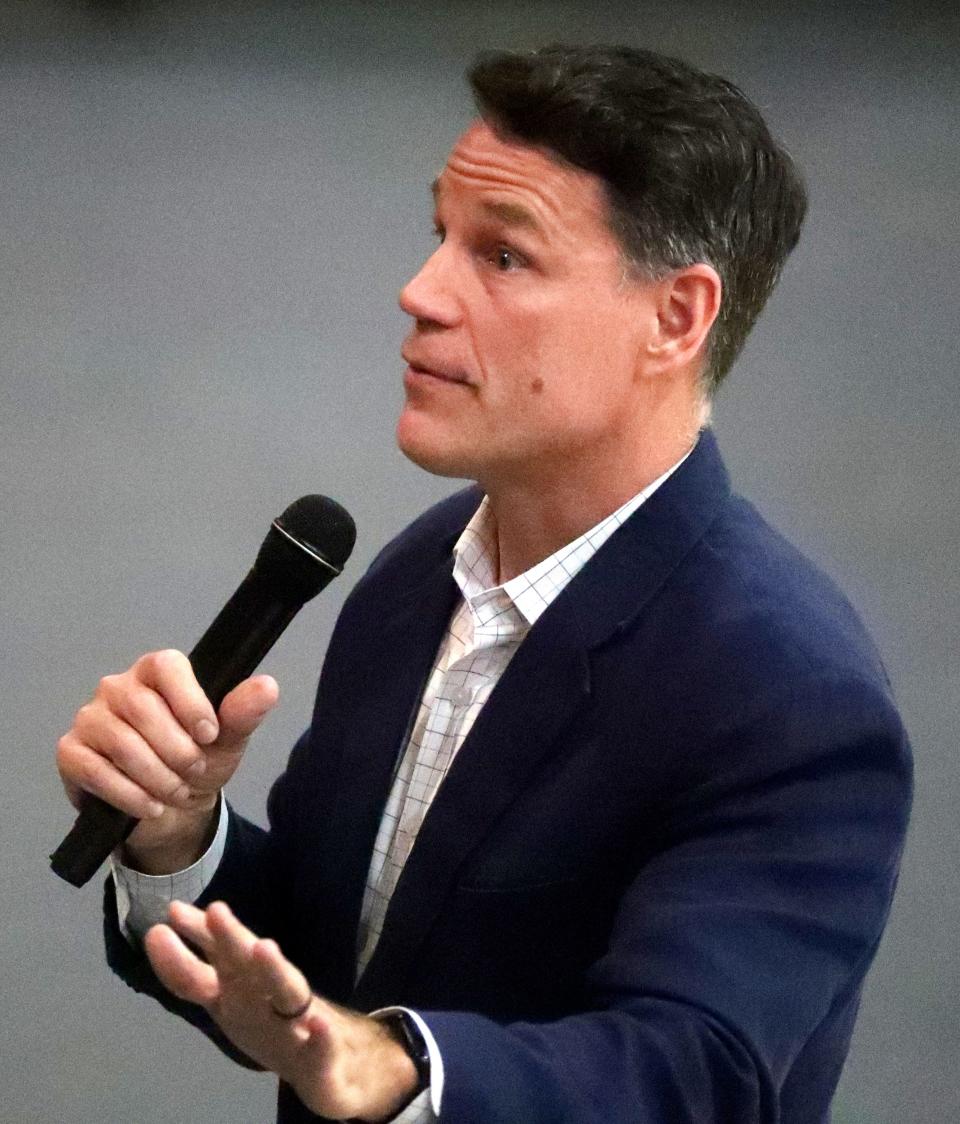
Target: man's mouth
{"x": 435, "y": 370}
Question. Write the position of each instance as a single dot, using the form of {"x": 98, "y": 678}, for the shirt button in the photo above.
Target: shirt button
{"x": 463, "y": 696}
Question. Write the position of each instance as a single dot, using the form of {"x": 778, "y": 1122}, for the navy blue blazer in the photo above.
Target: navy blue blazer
{"x": 654, "y": 877}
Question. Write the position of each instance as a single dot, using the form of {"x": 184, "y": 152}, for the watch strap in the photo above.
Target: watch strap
{"x": 404, "y": 1029}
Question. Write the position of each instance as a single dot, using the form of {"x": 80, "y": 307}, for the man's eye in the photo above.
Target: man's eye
{"x": 506, "y": 260}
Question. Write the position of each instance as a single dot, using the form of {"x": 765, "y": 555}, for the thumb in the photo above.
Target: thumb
{"x": 242, "y": 711}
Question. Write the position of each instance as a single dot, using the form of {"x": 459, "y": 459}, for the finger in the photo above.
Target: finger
{"x": 143, "y": 698}
{"x": 191, "y": 924}
{"x": 281, "y": 982}
{"x": 316, "y": 1028}
{"x": 111, "y": 737}
{"x": 317, "y": 1022}
{"x": 169, "y": 673}
{"x": 146, "y": 711}
{"x": 233, "y": 941}
{"x": 244, "y": 708}
{"x": 179, "y": 969}
{"x": 84, "y": 770}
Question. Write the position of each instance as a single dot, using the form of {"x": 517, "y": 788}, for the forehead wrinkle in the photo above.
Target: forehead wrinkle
{"x": 569, "y": 204}
{"x": 542, "y": 207}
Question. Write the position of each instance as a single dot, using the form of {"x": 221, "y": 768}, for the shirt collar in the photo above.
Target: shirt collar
{"x": 476, "y": 556}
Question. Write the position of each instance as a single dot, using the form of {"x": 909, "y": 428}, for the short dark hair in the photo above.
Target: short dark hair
{"x": 691, "y": 171}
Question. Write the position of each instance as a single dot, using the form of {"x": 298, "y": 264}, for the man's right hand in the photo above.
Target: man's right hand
{"x": 150, "y": 744}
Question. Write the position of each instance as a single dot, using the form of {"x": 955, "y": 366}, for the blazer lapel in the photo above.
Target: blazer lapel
{"x": 536, "y": 697}
{"x": 388, "y": 676}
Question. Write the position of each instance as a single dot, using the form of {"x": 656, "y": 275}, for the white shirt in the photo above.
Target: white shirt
{"x": 486, "y": 628}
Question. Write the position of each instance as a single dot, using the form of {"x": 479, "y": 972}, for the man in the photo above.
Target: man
{"x": 603, "y": 799}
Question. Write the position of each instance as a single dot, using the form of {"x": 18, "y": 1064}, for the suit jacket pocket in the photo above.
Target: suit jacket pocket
{"x": 520, "y": 948}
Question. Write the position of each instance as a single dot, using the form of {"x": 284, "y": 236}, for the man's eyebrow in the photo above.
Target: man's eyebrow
{"x": 512, "y": 214}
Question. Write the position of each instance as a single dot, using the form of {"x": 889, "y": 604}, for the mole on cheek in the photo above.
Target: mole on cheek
{"x": 537, "y": 385}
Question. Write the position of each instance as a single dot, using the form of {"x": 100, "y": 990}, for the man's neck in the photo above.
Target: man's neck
{"x": 536, "y": 517}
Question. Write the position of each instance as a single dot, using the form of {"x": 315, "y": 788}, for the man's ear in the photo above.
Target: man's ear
{"x": 687, "y": 305}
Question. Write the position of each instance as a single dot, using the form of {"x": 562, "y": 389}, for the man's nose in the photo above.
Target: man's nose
{"x": 430, "y": 295}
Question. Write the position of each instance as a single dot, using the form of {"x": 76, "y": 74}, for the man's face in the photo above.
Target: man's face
{"x": 523, "y": 353}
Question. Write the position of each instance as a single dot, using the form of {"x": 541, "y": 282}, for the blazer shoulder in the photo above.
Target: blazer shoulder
{"x": 759, "y": 590}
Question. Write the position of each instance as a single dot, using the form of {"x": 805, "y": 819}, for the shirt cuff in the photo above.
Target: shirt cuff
{"x": 418, "y": 1111}
{"x": 425, "y": 1107}
{"x": 143, "y": 899}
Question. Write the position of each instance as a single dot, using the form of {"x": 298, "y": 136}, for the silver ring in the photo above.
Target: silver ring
{"x": 291, "y": 1015}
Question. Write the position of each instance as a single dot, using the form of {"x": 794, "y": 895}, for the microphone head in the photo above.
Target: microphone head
{"x": 305, "y": 549}
{"x": 321, "y": 525}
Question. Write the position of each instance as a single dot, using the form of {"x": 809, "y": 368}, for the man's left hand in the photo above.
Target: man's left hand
{"x": 340, "y": 1063}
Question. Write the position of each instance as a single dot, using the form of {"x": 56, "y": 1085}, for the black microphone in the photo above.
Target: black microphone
{"x": 305, "y": 549}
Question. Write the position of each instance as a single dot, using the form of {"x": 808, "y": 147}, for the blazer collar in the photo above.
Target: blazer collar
{"x": 637, "y": 559}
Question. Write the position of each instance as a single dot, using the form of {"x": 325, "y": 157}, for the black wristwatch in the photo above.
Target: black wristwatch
{"x": 405, "y": 1030}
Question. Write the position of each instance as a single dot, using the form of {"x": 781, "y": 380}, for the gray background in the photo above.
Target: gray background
{"x": 205, "y": 215}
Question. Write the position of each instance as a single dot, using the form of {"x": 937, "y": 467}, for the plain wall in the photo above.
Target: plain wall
{"x": 206, "y": 212}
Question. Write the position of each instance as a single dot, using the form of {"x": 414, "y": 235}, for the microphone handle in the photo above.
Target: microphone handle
{"x": 242, "y": 633}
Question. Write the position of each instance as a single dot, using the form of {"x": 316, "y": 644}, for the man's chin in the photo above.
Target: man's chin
{"x": 432, "y": 458}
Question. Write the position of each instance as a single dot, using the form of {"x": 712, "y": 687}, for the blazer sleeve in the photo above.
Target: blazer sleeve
{"x": 738, "y": 950}
{"x": 252, "y": 877}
